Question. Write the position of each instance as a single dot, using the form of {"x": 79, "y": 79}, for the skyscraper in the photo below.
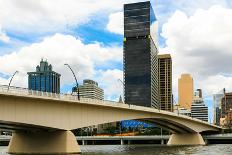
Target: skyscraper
{"x": 185, "y": 91}
{"x": 198, "y": 109}
{"x": 140, "y": 55}
{"x": 44, "y": 79}
{"x": 165, "y": 81}
{"x": 90, "y": 89}
{"x": 226, "y": 104}
{"x": 217, "y": 98}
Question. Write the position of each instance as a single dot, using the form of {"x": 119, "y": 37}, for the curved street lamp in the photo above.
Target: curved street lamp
{"x": 122, "y": 89}
{"x": 77, "y": 87}
{"x": 11, "y": 80}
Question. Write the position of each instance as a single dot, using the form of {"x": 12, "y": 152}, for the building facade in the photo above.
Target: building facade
{"x": 90, "y": 89}
{"x": 165, "y": 81}
{"x": 198, "y": 109}
{"x": 182, "y": 111}
{"x": 140, "y": 55}
{"x": 44, "y": 79}
{"x": 217, "y": 107}
{"x": 185, "y": 91}
{"x": 226, "y": 104}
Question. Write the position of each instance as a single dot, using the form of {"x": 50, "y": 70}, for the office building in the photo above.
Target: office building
{"x": 165, "y": 81}
{"x": 226, "y": 104}
{"x": 185, "y": 91}
{"x": 182, "y": 111}
{"x": 228, "y": 119}
{"x": 140, "y": 55}
{"x": 198, "y": 109}
{"x": 90, "y": 89}
{"x": 217, "y": 107}
{"x": 44, "y": 79}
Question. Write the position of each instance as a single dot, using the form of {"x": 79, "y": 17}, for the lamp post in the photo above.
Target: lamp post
{"x": 11, "y": 80}
{"x": 77, "y": 87}
{"x": 122, "y": 89}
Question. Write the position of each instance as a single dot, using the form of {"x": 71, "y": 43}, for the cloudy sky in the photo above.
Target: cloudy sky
{"x": 88, "y": 35}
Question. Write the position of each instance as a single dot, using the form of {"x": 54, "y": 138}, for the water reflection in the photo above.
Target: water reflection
{"x": 223, "y": 149}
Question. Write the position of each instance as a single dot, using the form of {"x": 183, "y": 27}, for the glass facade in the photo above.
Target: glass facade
{"x": 44, "y": 79}
{"x": 140, "y": 56}
{"x": 217, "y": 107}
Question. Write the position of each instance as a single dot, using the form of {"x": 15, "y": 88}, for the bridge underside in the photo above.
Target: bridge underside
{"x": 170, "y": 125}
{"x": 14, "y": 126}
{"x": 31, "y": 139}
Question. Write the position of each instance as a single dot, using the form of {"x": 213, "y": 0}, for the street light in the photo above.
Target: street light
{"x": 11, "y": 80}
{"x": 77, "y": 87}
{"x": 122, "y": 89}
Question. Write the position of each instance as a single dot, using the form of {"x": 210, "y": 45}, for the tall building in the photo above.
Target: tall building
{"x": 228, "y": 119}
{"x": 217, "y": 107}
{"x": 226, "y": 104}
{"x": 198, "y": 109}
{"x": 185, "y": 91}
{"x": 44, "y": 79}
{"x": 90, "y": 89}
{"x": 165, "y": 81}
{"x": 140, "y": 55}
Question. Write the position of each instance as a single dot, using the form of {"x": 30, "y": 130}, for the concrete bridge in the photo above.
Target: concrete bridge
{"x": 49, "y": 118}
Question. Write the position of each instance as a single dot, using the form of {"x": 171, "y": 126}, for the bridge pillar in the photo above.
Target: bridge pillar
{"x": 186, "y": 139}
{"x": 57, "y": 142}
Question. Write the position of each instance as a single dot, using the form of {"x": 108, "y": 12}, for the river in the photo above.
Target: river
{"x": 218, "y": 149}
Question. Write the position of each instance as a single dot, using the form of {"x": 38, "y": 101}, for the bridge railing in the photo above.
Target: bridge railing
{"x": 68, "y": 97}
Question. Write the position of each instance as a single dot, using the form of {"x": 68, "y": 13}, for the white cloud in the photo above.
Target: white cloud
{"x": 115, "y": 24}
{"x": 3, "y": 37}
{"x": 201, "y": 45}
{"x": 51, "y": 15}
{"x": 58, "y": 50}
{"x": 109, "y": 80}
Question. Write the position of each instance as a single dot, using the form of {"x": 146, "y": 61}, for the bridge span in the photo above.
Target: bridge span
{"x": 50, "y": 118}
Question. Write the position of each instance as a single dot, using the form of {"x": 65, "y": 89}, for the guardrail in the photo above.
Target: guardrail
{"x": 33, "y": 93}
{"x": 68, "y": 97}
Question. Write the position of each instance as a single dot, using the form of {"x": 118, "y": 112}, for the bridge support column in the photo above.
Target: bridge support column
{"x": 186, "y": 139}
{"x": 57, "y": 142}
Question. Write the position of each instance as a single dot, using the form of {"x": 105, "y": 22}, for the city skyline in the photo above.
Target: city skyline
{"x": 99, "y": 57}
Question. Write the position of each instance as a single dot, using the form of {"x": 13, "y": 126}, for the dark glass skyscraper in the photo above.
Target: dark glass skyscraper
{"x": 140, "y": 55}
{"x": 44, "y": 79}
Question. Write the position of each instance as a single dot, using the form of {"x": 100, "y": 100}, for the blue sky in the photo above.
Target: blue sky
{"x": 88, "y": 35}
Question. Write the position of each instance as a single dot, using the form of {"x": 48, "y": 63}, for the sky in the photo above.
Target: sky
{"x": 88, "y": 35}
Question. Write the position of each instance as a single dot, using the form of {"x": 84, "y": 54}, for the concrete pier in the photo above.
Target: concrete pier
{"x": 57, "y": 142}
{"x": 186, "y": 139}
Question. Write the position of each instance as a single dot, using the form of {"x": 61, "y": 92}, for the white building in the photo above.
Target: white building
{"x": 90, "y": 89}
{"x": 199, "y": 110}
{"x": 182, "y": 111}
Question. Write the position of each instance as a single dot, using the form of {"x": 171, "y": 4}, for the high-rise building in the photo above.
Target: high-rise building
{"x": 226, "y": 104}
{"x": 185, "y": 91}
{"x": 90, "y": 89}
{"x": 165, "y": 81}
{"x": 228, "y": 119}
{"x": 217, "y": 107}
{"x": 198, "y": 109}
{"x": 140, "y": 55}
{"x": 44, "y": 79}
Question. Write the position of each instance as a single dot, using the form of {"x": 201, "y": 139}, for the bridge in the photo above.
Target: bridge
{"x": 42, "y": 122}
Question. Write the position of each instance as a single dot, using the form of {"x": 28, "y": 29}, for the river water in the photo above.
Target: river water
{"x": 222, "y": 149}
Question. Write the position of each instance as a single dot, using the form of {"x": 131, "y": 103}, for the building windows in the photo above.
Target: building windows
{"x": 44, "y": 79}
